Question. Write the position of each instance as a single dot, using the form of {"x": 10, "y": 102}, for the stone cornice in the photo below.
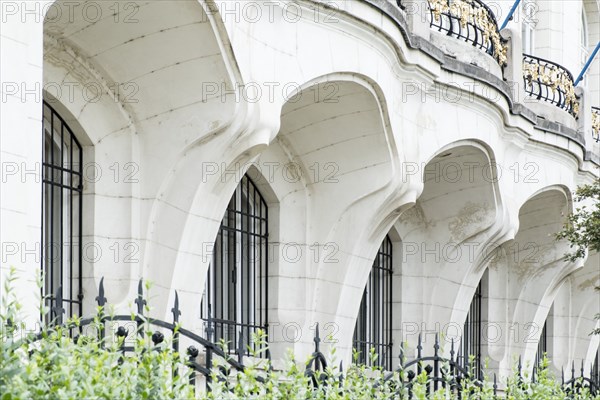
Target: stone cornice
{"x": 450, "y": 64}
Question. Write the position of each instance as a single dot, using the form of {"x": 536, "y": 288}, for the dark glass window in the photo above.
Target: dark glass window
{"x": 235, "y": 295}
{"x": 62, "y": 203}
{"x": 596, "y": 369}
{"x": 472, "y": 335}
{"x": 374, "y": 323}
{"x": 542, "y": 345}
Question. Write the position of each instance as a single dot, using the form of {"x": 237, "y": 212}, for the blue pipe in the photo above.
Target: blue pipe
{"x": 510, "y": 14}
{"x": 588, "y": 63}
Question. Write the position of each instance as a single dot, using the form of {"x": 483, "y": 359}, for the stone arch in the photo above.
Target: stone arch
{"x": 165, "y": 104}
{"x": 434, "y": 276}
{"x": 536, "y": 266}
{"x": 575, "y": 305}
{"x": 336, "y": 129}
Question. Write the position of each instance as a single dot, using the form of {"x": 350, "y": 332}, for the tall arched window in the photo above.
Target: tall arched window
{"x": 473, "y": 333}
{"x": 374, "y": 323}
{"x": 235, "y": 297}
{"x": 543, "y": 343}
{"x": 528, "y": 15}
{"x": 62, "y": 203}
{"x": 596, "y": 368}
{"x": 584, "y": 38}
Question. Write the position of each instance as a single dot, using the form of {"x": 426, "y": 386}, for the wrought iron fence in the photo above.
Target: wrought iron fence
{"x": 471, "y": 21}
{"x": 441, "y": 372}
{"x": 596, "y": 124}
{"x": 550, "y": 82}
{"x": 200, "y": 352}
{"x": 575, "y": 384}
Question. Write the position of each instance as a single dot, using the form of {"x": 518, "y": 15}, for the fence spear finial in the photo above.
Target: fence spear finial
{"x": 140, "y": 298}
{"x": 100, "y": 299}
{"x": 175, "y": 310}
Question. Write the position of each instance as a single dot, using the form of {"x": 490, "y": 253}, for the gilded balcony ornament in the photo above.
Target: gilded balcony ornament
{"x": 475, "y": 14}
{"x": 550, "y": 82}
{"x": 438, "y": 7}
{"x": 596, "y": 124}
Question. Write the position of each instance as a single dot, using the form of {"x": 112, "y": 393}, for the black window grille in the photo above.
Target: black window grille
{"x": 373, "y": 328}
{"x": 62, "y": 202}
{"x": 472, "y": 335}
{"x": 235, "y": 297}
{"x": 542, "y": 345}
{"x": 596, "y": 368}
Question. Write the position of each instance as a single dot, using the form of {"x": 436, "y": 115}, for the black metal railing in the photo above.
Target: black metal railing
{"x": 200, "y": 353}
{"x": 550, "y": 82}
{"x": 471, "y": 21}
{"x": 441, "y": 372}
{"x": 575, "y": 384}
{"x": 596, "y": 124}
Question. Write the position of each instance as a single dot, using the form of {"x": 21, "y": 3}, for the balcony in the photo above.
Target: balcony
{"x": 470, "y": 21}
{"x": 547, "y": 81}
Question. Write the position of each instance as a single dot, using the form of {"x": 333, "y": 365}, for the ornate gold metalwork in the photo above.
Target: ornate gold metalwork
{"x": 480, "y": 17}
{"x": 554, "y": 77}
{"x": 596, "y": 124}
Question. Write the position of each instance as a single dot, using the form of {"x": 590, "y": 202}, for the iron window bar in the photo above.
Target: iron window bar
{"x": 542, "y": 348}
{"x": 472, "y": 336}
{"x": 550, "y": 82}
{"x": 373, "y": 328}
{"x": 235, "y": 300}
{"x": 61, "y": 214}
{"x": 471, "y": 21}
{"x": 595, "y": 376}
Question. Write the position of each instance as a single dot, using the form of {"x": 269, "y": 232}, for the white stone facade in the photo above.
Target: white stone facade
{"x": 354, "y": 119}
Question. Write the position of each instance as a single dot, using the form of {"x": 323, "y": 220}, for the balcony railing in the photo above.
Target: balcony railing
{"x": 471, "y": 21}
{"x": 596, "y": 123}
{"x": 550, "y": 82}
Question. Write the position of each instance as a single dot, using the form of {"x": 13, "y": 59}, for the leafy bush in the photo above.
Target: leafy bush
{"x": 52, "y": 365}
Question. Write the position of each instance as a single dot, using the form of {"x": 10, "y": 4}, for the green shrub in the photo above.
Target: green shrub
{"x": 55, "y": 366}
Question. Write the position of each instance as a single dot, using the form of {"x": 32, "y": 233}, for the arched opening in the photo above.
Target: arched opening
{"x": 573, "y": 315}
{"x": 536, "y": 266}
{"x": 336, "y": 132}
{"x": 445, "y": 236}
{"x": 143, "y": 114}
